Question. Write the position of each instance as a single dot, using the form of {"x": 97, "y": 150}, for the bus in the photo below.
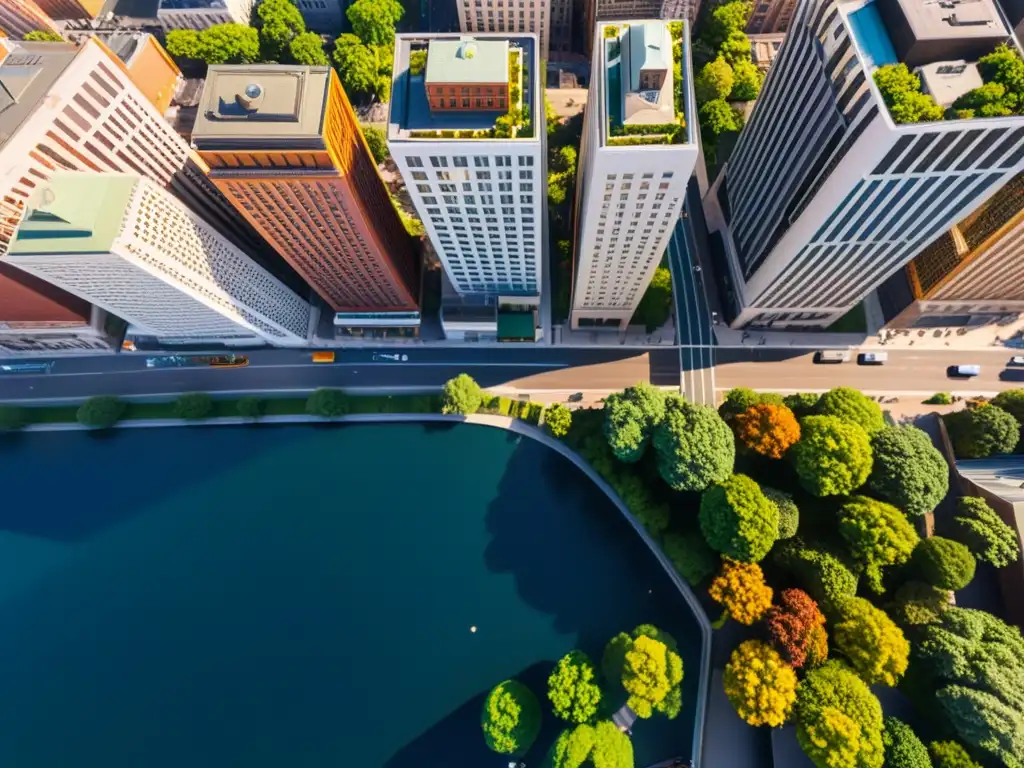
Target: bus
{"x": 197, "y": 361}
{"x": 34, "y": 367}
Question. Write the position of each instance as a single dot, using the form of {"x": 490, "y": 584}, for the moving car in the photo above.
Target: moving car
{"x": 967, "y": 370}
{"x": 832, "y": 356}
{"x": 323, "y": 357}
{"x": 873, "y": 358}
{"x": 1017, "y": 360}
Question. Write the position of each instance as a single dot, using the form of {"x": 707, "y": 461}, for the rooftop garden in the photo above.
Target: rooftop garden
{"x": 1001, "y": 95}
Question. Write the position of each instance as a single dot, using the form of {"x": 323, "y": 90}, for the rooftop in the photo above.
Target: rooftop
{"x": 190, "y": 5}
{"x": 952, "y": 19}
{"x": 496, "y": 56}
{"x": 27, "y": 300}
{"x": 266, "y": 104}
{"x": 949, "y": 80}
{"x": 26, "y": 76}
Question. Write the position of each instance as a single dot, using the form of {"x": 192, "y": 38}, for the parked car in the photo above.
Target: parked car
{"x": 1017, "y": 360}
{"x": 967, "y": 370}
{"x": 873, "y": 358}
{"x": 832, "y": 356}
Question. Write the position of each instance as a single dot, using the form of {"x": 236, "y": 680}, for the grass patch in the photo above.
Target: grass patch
{"x": 854, "y": 321}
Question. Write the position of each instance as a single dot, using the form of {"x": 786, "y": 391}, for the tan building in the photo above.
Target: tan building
{"x": 508, "y": 16}
{"x": 71, "y": 9}
{"x": 770, "y": 16}
{"x": 19, "y": 17}
{"x": 283, "y": 145}
{"x": 150, "y": 67}
{"x": 764, "y": 49}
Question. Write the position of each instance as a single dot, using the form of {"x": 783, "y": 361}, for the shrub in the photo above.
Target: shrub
{"x": 908, "y": 470}
{"x": 875, "y": 646}
{"x": 878, "y": 535}
{"x": 377, "y": 141}
{"x": 100, "y": 412}
{"x": 249, "y": 407}
{"x": 939, "y": 398}
{"x": 767, "y": 429}
{"x": 949, "y": 754}
{"x": 944, "y": 563}
{"x": 760, "y": 687}
{"x": 194, "y": 405}
{"x": 13, "y": 417}
{"x": 916, "y": 604}
{"x": 802, "y": 403}
{"x": 1011, "y": 401}
{"x": 977, "y": 433}
{"x": 573, "y": 690}
{"x": 789, "y": 514}
{"x": 738, "y": 520}
{"x": 647, "y": 665}
{"x": 902, "y": 747}
{"x": 462, "y": 395}
{"x": 839, "y": 720}
{"x": 601, "y": 745}
{"x": 833, "y": 457}
{"x": 901, "y": 91}
{"x": 327, "y": 403}
{"x": 741, "y": 588}
{"x": 739, "y": 399}
{"x": 714, "y": 81}
{"x": 629, "y": 418}
{"x": 695, "y": 447}
{"x": 558, "y": 420}
{"x": 796, "y": 627}
{"x": 823, "y": 573}
{"x": 690, "y": 555}
{"x": 984, "y": 533}
{"x": 511, "y": 718}
{"x": 853, "y": 407}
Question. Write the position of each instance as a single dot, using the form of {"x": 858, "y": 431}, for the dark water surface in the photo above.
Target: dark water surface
{"x": 298, "y": 596}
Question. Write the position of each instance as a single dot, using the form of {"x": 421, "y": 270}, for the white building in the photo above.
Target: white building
{"x": 513, "y": 17}
{"x": 124, "y": 244}
{"x": 481, "y": 198}
{"x": 825, "y": 196}
{"x": 200, "y": 14}
{"x": 636, "y": 157}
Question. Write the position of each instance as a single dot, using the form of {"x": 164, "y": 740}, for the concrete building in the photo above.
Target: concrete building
{"x": 764, "y": 48}
{"x": 71, "y": 9}
{"x": 511, "y": 17}
{"x": 127, "y": 245}
{"x": 477, "y": 181}
{"x": 200, "y": 14}
{"x": 825, "y": 196}
{"x": 19, "y": 17}
{"x": 770, "y": 17}
{"x": 283, "y": 145}
{"x": 636, "y": 156}
{"x": 560, "y": 29}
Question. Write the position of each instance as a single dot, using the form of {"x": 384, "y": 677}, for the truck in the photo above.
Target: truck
{"x": 197, "y": 361}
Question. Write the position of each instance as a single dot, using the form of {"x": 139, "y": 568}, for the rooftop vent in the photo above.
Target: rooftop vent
{"x": 251, "y": 98}
{"x": 467, "y": 51}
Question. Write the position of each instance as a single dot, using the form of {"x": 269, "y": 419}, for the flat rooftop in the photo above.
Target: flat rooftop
{"x": 952, "y": 19}
{"x": 263, "y": 105}
{"x": 410, "y": 116}
{"x": 26, "y": 75}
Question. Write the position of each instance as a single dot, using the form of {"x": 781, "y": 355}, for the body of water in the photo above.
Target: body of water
{"x": 302, "y": 596}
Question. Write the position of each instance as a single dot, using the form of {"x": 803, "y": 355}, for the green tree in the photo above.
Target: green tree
{"x": 802, "y": 403}
{"x": 716, "y": 117}
{"x": 916, "y": 604}
{"x": 878, "y": 535}
{"x": 183, "y": 44}
{"x": 748, "y": 81}
{"x": 901, "y": 91}
{"x": 695, "y": 447}
{"x": 833, "y": 457}
{"x": 558, "y": 419}
{"x": 358, "y": 66}
{"x": 573, "y": 690}
{"x": 985, "y": 722}
{"x": 629, "y": 418}
{"x": 566, "y": 159}
{"x": 725, "y": 20}
{"x": 984, "y": 533}
{"x": 377, "y": 140}
{"x": 249, "y": 407}
{"x": 715, "y": 81}
{"x": 647, "y": 664}
{"x": 903, "y": 749}
{"x": 13, "y": 417}
{"x": 738, "y": 520}
{"x": 280, "y": 23}
{"x": 690, "y": 554}
{"x": 462, "y": 395}
{"x": 193, "y": 405}
{"x": 736, "y": 48}
{"x": 308, "y": 48}
{"x": 944, "y": 563}
{"x": 853, "y": 407}
{"x": 789, "y": 514}
{"x": 977, "y": 433}
{"x": 838, "y": 719}
{"x": 511, "y": 718}
{"x": 43, "y": 36}
{"x": 825, "y": 574}
{"x": 876, "y": 647}
{"x": 600, "y": 746}
{"x": 101, "y": 412}
{"x": 229, "y": 44}
{"x": 327, "y": 403}
{"x": 949, "y": 754}
{"x": 373, "y": 21}
{"x": 984, "y": 99}
{"x": 908, "y": 470}
{"x": 656, "y": 304}
{"x": 1011, "y": 401}
{"x": 1004, "y": 66}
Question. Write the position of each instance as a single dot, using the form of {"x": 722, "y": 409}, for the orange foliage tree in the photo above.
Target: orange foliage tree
{"x": 796, "y": 627}
{"x": 767, "y": 429}
{"x": 741, "y": 588}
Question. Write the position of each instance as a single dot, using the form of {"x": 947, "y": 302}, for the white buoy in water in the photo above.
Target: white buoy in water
{"x": 472, "y": 629}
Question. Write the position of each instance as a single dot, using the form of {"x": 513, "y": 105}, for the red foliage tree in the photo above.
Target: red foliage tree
{"x": 796, "y": 627}
{"x": 768, "y": 429}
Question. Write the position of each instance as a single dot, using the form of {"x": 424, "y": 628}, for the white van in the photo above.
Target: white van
{"x": 968, "y": 370}
{"x": 832, "y": 356}
{"x": 874, "y": 358}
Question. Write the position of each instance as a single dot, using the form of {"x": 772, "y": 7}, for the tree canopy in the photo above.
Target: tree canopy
{"x": 377, "y": 141}
{"x": 558, "y": 419}
{"x": 747, "y": 80}
{"x": 364, "y": 70}
{"x": 738, "y": 520}
{"x": 601, "y": 746}
{"x": 789, "y": 514}
{"x": 903, "y": 749}
{"x": 655, "y": 305}
{"x": 13, "y": 417}
{"x": 374, "y": 21}
{"x": 220, "y": 44}
{"x": 691, "y": 555}
{"x": 511, "y": 718}
{"x": 43, "y": 36}
{"x": 852, "y": 406}
{"x": 802, "y": 403}
{"x": 328, "y": 403}
{"x": 833, "y": 457}
{"x": 908, "y": 470}
{"x": 983, "y": 532}
{"x": 796, "y": 627}
{"x": 101, "y": 412}
{"x": 767, "y": 429}
{"x": 715, "y": 81}
{"x": 462, "y": 395}
{"x": 944, "y": 563}
{"x": 717, "y": 117}
{"x": 977, "y": 433}
{"x": 695, "y": 447}
{"x": 824, "y": 573}
{"x": 725, "y": 20}
{"x": 874, "y": 644}
{"x": 573, "y": 690}
{"x": 280, "y": 22}
{"x": 193, "y": 405}
{"x": 901, "y": 91}
{"x": 878, "y": 535}
{"x": 648, "y": 667}
{"x": 742, "y": 590}
{"x": 307, "y": 48}
{"x": 759, "y": 685}
{"x": 1011, "y": 401}
{"x": 949, "y": 754}
{"x": 629, "y": 418}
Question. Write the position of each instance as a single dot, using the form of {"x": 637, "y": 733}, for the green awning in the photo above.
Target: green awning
{"x": 516, "y": 326}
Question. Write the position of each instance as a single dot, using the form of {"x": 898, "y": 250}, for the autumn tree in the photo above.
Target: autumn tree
{"x": 903, "y": 749}
{"x": 796, "y": 627}
{"x": 833, "y": 457}
{"x": 602, "y": 746}
{"x": 983, "y": 532}
{"x": 695, "y": 448}
{"x": 738, "y": 520}
{"x": 944, "y": 563}
{"x": 759, "y": 685}
{"x": 875, "y": 646}
{"x": 826, "y": 573}
{"x": 573, "y": 690}
{"x": 742, "y": 590}
{"x": 511, "y": 718}
{"x": 908, "y": 471}
{"x": 647, "y": 665}
{"x": 739, "y": 399}
{"x": 878, "y": 535}
{"x": 853, "y": 407}
{"x": 767, "y": 429}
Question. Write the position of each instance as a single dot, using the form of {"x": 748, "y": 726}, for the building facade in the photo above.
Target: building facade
{"x": 629, "y": 195}
{"x": 326, "y": 16}
{"x": 200, "y": 14}
{"x": 282, "y": 144}
{"x": 127, "y": 245}
{"x": 560, "y": 29}
{"x": 19, "y": 17}
{"x": 511, "y": 17}
{"x": 478, "y": 188}
{"x": 770, "y": 16}
{"x": 825, "y": 196}
{"x": 71, "y": 9}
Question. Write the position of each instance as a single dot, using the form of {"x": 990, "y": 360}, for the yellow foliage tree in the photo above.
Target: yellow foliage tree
{"x": 741, "y": 588}
{"x": 651, "y": 675}
{"x": 759, "y": 684}
{"x": 874, "y": 644}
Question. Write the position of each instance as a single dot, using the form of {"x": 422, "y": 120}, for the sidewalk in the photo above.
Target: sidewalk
{"x": 633, "y": 337}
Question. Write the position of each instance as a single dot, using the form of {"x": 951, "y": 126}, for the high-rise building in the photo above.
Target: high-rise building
{"x": 465, "y": 126}
{"x": 283, "y": 145}
{"x": 149, "y": 66}
{"x": 127, "y": 245}
{"x": 770, "y": 16}
{"x": 636, "y": 156}
{"x": 1014, "y": 10}
{"x": 200, "y": 14}
{"x": 510, "y": 17}
{"x": 323, "y": 15}
{"x": 71, "y": 9}
{"x": 595, "y": 11}
{"x": 19, "y": 17}
{"x": 560, "y": 29}
{"x": 826, "y": 195}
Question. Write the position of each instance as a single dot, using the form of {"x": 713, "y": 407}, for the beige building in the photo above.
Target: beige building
{"x": 764, "y": 49}
{"x": 19, "y": 17}
{"x": 770, "y": 16}
{"x": 509, "y": 16}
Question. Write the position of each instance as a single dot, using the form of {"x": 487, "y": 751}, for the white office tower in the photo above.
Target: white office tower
{"x": 636, "y": 156}
{"x": 465, "y": 131}
{"x": 127, "y": 245}
{"x": 826, "y": 195}
{"x": 200, "y": 14}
